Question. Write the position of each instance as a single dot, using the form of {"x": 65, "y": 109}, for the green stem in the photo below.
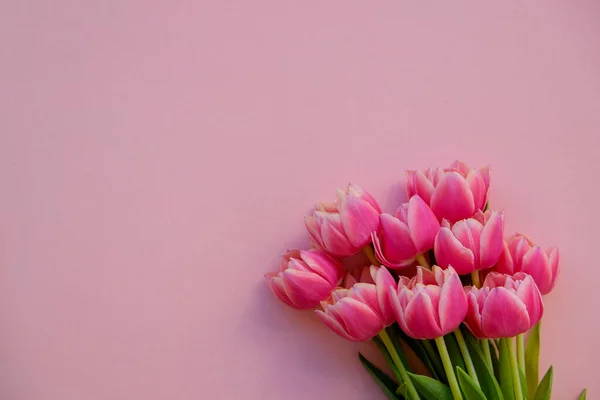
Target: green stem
{"x": 485, "y": 343}
{"x": 422, "y": 261}
{"x": 441, "y": 345}
{"x": 465, "y": 353}
{"x": 521, "y": 351}
{"x": 475, "y": 279}
{"x": 514, "y": 365}
{"x": 387, "y": 341}
{"x": 368, "y": 250}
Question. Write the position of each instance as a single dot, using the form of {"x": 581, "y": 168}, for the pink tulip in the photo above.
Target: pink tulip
{"x": 504, "y": 306}
{"x": 344, "y": 227}
{"x": 521, "y": 255}
{"x": 471, "y": 244}
{"x": 453, "y": 193}
{"x": 410, "y": 233}
{"x": 431, "y": 304}
{"x": 361, "y": 312}
{"x": 306, "y": 278}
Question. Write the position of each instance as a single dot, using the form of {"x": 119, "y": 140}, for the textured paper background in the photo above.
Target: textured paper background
{"x": 157, "y": 157}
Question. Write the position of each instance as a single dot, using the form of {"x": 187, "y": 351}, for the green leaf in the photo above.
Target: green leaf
{"x": 544, "y": 390}
{"x": 454, "y": 351}
{"x": 523, "y": 385}
{"x": 505, "y": 370}
{"x": 385, "y": 383}
{"x": 395, "y": 337}
{"x": 431, "y": 360}
{"x": 468, "y": 386}
{"x": 429, "y": 388}
{"x": 532, "y": 356}
{"x": 583, "y": 395}
{"x": 487, "y": 380}
{"x": 402, "y": 390}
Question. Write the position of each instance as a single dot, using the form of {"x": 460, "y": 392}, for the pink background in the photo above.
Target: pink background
{"x": 157, "y": 157}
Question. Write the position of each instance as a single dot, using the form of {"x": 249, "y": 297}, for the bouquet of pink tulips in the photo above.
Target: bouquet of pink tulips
{"x": 453, "y": 305}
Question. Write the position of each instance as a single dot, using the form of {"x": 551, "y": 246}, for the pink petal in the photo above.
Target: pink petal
{"x": 449, "y": 251}
{"x": 417, "y": 183}
{"x": 334, "y": 325}
{"x": 422, "y": 223}
{"x": 504, "y": 314}
{"x": 397, "y": 244}
{"x": 530, "y": 295}
{"x": 314, "y": 230}
{"x": 536, "y": 264}
{"x": 473, "y": 316}
{"x": 384, "y": 281}
{"x": 495, "y": 279}
{"x": 453, "y": 304}
{"x": 452, "y": 198}
{"x": 468, "y": 232}
{"x": 359, "y": 219}
{"x": 366, "y": 293}
{"x": 553, "y": 258}
{"x": 423, "y": 276}
{"x": 461, "y": 167}
{"x": 363, "y": 195}
{"x": 305, "y": 289}
{"x": 477, "y": 186}
{"x": 486, "y": 174}
{"x": 420, "y": 317}
{"x": 491, "y": 240}
{"x": 519, "y": 245}
{"x": 327, "y": 267}
{"x": 505, "y": 263}
{"x": 333, "y": 237}
{"x": 276, "y": 285}
{"x": 360, "y": 320}
{"x": 398, "y": 309}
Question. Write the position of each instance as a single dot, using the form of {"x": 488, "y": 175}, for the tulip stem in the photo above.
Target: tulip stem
{"x": 368, "y": 250}
{"x": 485, "y": 343}
{"x": 475, "y": 279}
{"x": 465, "y": 353}
{"x": 422, "y": 261}
{"x": 514, "y": 365}
{"x": 521, "y": 351}
{"x": 387, "y": 341}
{"x": 441, "y": 345}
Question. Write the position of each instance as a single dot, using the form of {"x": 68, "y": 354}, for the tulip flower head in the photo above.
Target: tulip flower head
{"x": 409, "y": 233}
{"x": 431, "y": 304}
{"x": 453, "y": 193}
{"x": 306, "y": 278}
{"x": 521, "y": 255}
{"x": 361, "y": 312}
{"x": 471, "y": 244}
{"x": 504, "y": 306}
{"x": 344, "y": 227}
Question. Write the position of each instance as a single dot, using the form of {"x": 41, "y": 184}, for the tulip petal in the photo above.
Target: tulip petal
{"x": 359, "y": 219}
{"x": 383, "y": 282}
{"x": 491, "y": 241}
{"x": 276, "y": 285}
{"x": 505, "y": 263}
{"x": 452, "y": 198}
{"x": 461, "y": 167}
{"x": 536, "y": 264}
{"x": 333, "y": 237}
{"x": 473, "y": 317}
{"x": 356, "y": 191}
{"x": 322, "y": 264}
{"x": 420, "y": 317}
{"x": 305, "y": 289}
{"x": 519, "y": 245}
{"x": 504, "y": 314}
{"x": 365, "y": 293}
{"x": 398, "y": 308}
{"x": 314, "y": 230}
{"x": 417, "y": 183}
{"x": 477, "y": 186}
{"x": 334, "y": 325}
{"x": 486, "y": 174}
{"x": 360, "y": 320}
{"x": 449, "y": 251}
{"x": 553, "y": 259}
{"x": 422, "y": 223}
{"x": 397, "y": 245}
{"x": 530, "y": 295}
{"x": 453, "y": 304}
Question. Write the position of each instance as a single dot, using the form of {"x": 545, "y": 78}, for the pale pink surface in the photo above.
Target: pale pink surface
{"x": 156, "y": 158}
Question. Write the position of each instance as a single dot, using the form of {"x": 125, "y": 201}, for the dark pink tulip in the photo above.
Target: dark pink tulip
{"x": 521, "y": 255}
{"x": 505, "y": 306}
{"x": 361, "y": 312}
{"x": 404, "y": 236}
{"x": 344, "y": 227}
{"x": 471, "y": 244}
{"x": 431, "y": 304}
{"x": 453, "y": 193}
{"x": 306, "y": 278}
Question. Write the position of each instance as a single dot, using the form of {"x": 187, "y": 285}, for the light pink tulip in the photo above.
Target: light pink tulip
{"x": 453, "y": 193}
{"x": 521, "y": 255}
{"x": 306, "y": 278}
{"x": 344, "y": 227}
{"x": 361, "y": 312}
{"x": 431, "y": 304}
{"x": 504, "y": 306}
{"x": 470, "y": 244}
{"x": 401, "y": 238}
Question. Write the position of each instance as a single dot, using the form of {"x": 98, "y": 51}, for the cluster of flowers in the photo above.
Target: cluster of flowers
{"x": 441, "y": 262}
